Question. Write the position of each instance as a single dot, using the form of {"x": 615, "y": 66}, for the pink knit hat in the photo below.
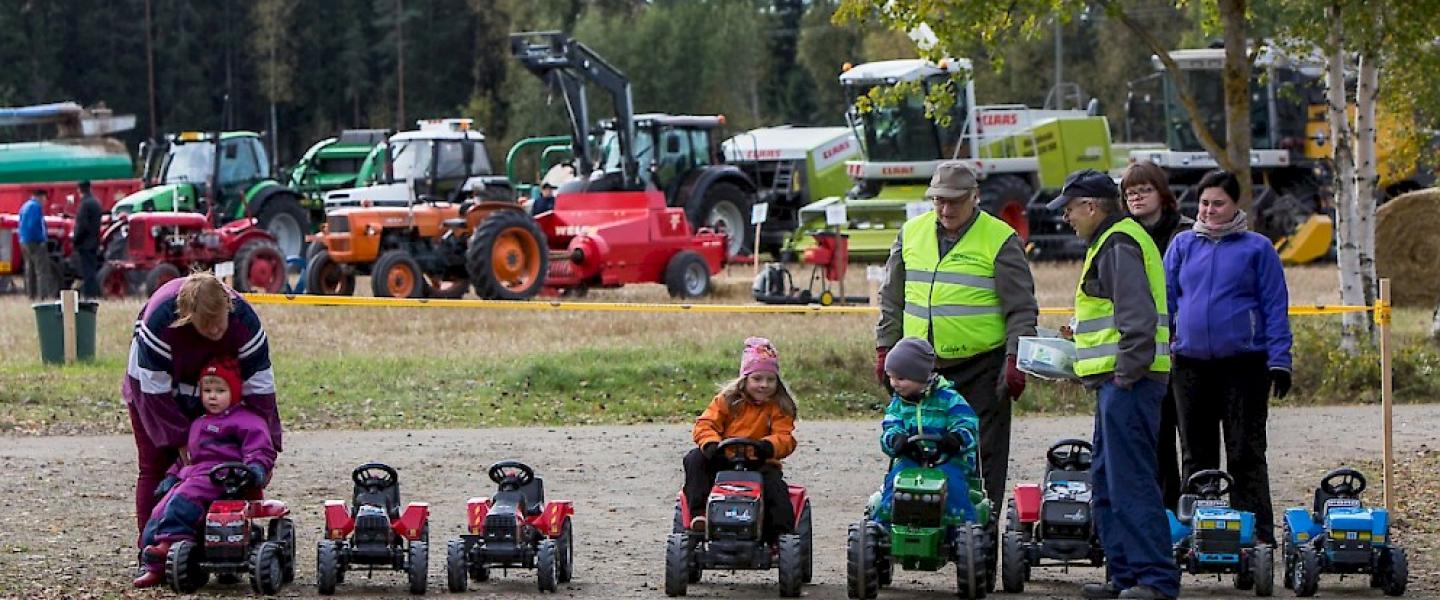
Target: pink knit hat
{"x": 759, "y": 355}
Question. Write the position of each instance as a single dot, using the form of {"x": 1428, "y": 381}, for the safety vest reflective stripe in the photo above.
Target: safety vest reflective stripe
{"x": 949, "y": 310}
{"x": 1108, "y": 322}
{"x": 1104, "y": 350}
{"x": 975, "y": 281}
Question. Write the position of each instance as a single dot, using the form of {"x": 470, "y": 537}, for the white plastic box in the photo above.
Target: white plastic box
{"x": 1047, "y": 357}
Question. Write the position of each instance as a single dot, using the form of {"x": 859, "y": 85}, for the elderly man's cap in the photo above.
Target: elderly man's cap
{"x": 952, "y": 179}
{"x": 1085, "y": 183}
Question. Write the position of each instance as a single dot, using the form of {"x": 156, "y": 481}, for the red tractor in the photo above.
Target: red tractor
{"x": 161, "y": 246}
{"x": 644, "y": 180}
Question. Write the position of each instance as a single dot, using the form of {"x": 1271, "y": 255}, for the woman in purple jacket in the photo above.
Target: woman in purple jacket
{"x": 1230, "y": 344}
{"x": 184, "y": 325}
{"x": 228, "y": 432}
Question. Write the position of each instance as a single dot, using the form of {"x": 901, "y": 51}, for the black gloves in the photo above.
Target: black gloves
{"x": 766, "y": 450}
{"x": 1280, "y": 382}
{"x": 899, "y": 443}
{"x": 165, "y": 485}
{"x": 950, "y": 443}
{"x": 708, "y": 450}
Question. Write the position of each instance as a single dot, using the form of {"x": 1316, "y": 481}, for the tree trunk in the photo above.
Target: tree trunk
{"x": 1435, "y": 326}
{"x": 1366, "y": 177}
{"x": 1351, "y": 286}
{"x": 1236, "y": 77}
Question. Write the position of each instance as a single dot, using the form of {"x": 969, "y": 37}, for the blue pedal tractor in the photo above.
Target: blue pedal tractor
{"x": 1343, "y": 536}
{"x": 1210, "y": 537}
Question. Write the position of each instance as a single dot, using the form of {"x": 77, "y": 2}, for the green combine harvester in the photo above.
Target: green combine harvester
{"x": 1017, "y": 151}
{"x": 792, "y": 167}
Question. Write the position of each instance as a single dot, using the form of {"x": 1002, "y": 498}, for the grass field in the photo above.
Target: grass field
{"x": 402, "y": 368}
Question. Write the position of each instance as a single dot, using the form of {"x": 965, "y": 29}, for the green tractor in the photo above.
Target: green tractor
{"x": 331, "y": 164}
{"x": 921, "y": 535}
{"x": 179, "y": 170}
{"x": 1016, "y": 151}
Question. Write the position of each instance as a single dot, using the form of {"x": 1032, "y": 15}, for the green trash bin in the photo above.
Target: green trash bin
{"x": 50, "y": 324}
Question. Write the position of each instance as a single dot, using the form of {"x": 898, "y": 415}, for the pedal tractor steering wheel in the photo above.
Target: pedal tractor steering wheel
{"x": 1070, "y": 455}
{"x": 374, "y": 476}
{"x": 511, "y": 475}
{"x": 746, "y": 455}
{"x": 234, "y": 477}
{"x": 1210, "y": 483}
{"x": 927, "y": 453}
{"x": 1343, "y": 483}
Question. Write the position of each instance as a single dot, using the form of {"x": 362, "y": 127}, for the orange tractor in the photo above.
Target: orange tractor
{"x": 434, "y": 249}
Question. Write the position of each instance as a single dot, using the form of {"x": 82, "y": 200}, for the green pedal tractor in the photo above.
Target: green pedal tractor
{"x": 921, "y": 536}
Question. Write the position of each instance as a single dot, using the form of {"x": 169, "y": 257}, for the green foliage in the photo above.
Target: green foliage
{"x": 1326, "y": 374}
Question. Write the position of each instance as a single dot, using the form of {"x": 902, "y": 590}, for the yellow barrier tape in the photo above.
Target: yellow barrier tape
{"x": 1381, "y": 311}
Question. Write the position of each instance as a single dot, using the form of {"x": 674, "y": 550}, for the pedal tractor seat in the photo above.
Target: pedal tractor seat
{"x": 266, "y": 509}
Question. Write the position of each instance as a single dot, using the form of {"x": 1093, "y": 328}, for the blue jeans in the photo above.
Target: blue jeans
{"x": 1129, "y": 512}
{"x": 957, "y": 495}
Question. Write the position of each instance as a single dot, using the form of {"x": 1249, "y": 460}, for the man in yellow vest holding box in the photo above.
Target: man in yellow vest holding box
{"x": 1122, "y": 351}
{"x": 958, "y": 278}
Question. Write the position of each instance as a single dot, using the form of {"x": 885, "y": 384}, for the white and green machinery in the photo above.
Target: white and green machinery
{"x": 792, "y": 167}
{"x": 1017, "y": 151}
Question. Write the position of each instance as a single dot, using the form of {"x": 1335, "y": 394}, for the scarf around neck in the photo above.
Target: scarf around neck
{"x": 1238, "y": 224}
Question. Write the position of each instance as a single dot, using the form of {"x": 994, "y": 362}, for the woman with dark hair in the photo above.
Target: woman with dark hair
{"x": 1230, "y": 343}
{"x": 1148, "y": 200}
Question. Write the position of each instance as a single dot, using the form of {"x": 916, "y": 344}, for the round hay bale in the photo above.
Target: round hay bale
{"x": 1407, "y": 247}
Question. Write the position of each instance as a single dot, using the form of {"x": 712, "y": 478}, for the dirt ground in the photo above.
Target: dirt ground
{"x": 68, "y": 532}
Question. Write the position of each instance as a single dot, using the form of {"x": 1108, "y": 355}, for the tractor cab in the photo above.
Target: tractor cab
{"x": 179, "y": 171}
{"x": 902, "y": 132}
{"x": 669, "y": 149}
{"x": 442, "y": 160}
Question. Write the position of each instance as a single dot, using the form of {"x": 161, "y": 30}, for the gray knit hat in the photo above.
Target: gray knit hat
{"x": 911, "y": 358}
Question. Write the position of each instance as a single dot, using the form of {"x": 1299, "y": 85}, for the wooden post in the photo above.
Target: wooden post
{"x": 756, "y": 254}
{"x": 1387, "y": 392}
{"x": 69, "y": 303}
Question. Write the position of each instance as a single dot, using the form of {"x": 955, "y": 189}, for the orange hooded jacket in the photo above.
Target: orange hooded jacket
{"x": 746, "y": 419}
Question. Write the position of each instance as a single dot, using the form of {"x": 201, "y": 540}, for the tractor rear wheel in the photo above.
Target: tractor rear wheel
{"x": 158, "y": 276}
{"x": 970, "y": 562}
{"x": 1262, "y": 570}
{"x": 259, "y": 267}
{"x": 677, "y": 564}
{"x": 182, "y": 568}
{"x": 1012, "y": 563}
{"x": 325, "y": 277}
{"x": 725, "y": 208}
{"x": 508, "y": 257}
{"x": 282, "y": 531}
{"x": 1006, "y": 197}
{"x": 283, "y": 217}
{"x": 115, "y": 281}
{"x": 565, "y": 552}
{"x": 546, "y": 571}
{"x": 862, "y": 580}
{"x": 687, "y": 275}
{"x": 792, "y": 565}
{"x": 807, "y": 539}
{"x": 397, "y": 275}
{"x": 457, "y": 568}
{"x": 1306, "y": 577}
{"x": 417, "y": 566}
{"x": 1396, "y": 571}
{"x": 327, "y": 566}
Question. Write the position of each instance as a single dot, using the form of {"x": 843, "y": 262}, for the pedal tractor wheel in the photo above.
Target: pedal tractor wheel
{"x": 687, "y": 275}
{"x": 792, "y": 565}
{"x": 1287, "y": 558}
{"x": 565, "y": 552}
{"x": 861, "y": 579}
{"x": 507, "y": 258}
{"x": 259, "y": 267}
{"x": 325, "y": 277}
{"x": 282, "y": 531}
{"x": 327, "y": 566}
{"x": 182, "y": 568}
{"x": 1012, "y": 563}
{"x": 969, "y": 562}
{"x": 418, "y": 566}
{"x": 457, "y": 569}
{"x": 1262, "y": 569}
{"x": 1397, "y": 571}
{"x": 266, "y": 572}
{"x": 397, "y": 275}
{"x": 678, "y": 561}
{"x": 1307, "y": 571}
{"x": 807, "y": 540}
{"x": 546, "y": 571}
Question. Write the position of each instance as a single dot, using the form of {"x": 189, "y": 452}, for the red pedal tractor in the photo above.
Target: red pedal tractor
{"x": 234, "y": 540}
{"x": 374, "y": 533}
{"x": 515, "y": 529}
{"x": 733, "y": 540}
{"x": 160, "y": 246}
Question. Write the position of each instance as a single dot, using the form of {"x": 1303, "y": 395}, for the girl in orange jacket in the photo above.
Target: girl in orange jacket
{"x": 756, "y": 405}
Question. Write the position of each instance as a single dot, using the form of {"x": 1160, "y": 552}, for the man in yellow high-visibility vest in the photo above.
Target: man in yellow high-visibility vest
{"x": 958, "y": 278}
{"x": 1122, "y": 351}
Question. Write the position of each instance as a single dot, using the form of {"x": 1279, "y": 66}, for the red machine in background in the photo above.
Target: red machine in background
{"x": 607, "y": 239}
{"x": 161, "y": 246}
{"x": 829, "y": 261}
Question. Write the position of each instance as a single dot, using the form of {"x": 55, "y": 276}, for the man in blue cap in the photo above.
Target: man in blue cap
{"x": 1122, "y": 352}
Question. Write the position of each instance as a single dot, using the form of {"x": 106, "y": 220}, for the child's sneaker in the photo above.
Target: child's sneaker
{"x": 697, "y": 524}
